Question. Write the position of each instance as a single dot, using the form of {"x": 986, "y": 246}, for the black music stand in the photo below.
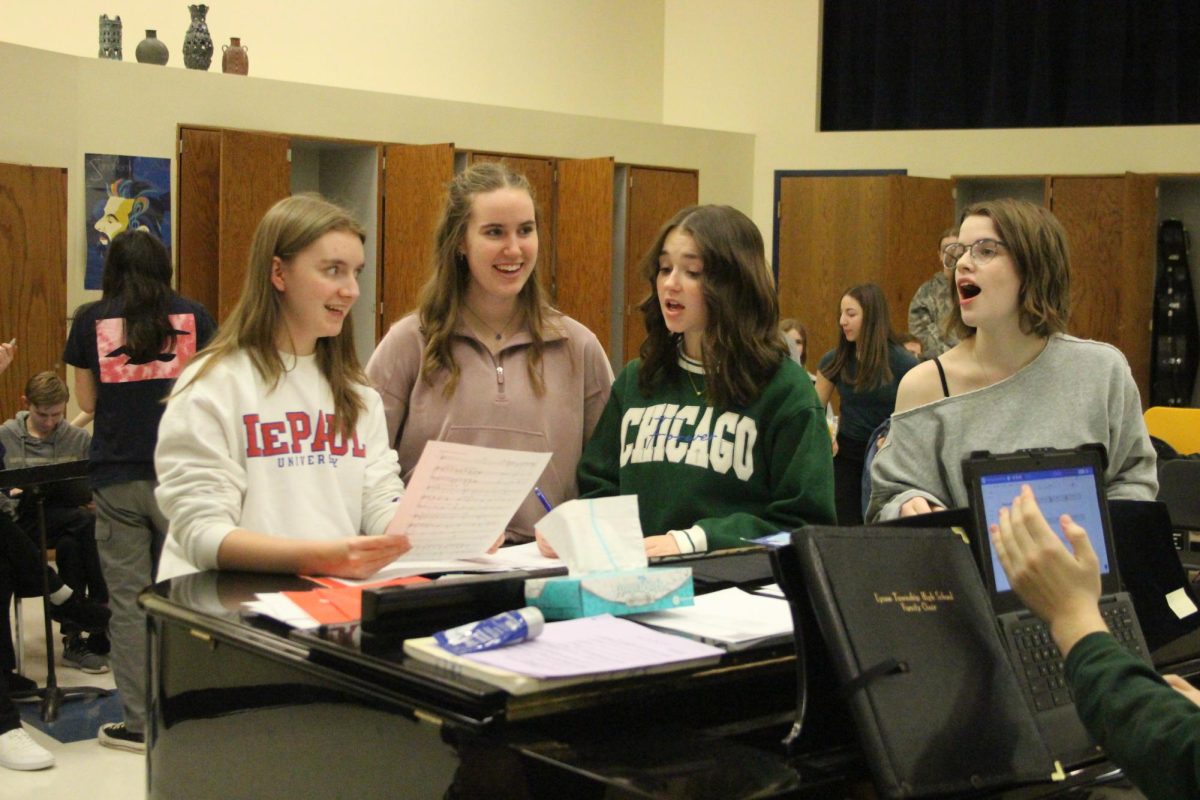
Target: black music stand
{"x": 35, "y": 482}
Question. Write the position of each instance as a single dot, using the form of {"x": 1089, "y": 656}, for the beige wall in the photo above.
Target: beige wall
{"x": 59, "y": 107}
{"x": 758, "y": 72}
{"x": 598, "y": 57}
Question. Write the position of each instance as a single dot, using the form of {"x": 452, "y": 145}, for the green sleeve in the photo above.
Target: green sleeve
{"x": 1146, "y": 727}
{"x": 800, "y": 477}
{"x": 599, "y": 468}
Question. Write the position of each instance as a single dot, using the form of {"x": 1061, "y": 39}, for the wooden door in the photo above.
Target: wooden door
{"x": 1110, "y": 224}
{"x": 255, "y": 174}
{"x": 583, "y": 241}
{"x": 541, "y": 175}
{"x": 919, "y": 209}
{"x": 198, "y": 258}
{"x": 838, "y": 231}
{"x": 33, "y": 274}
{"x": 655, "y": 195}
{"x": 413, "y": 190}
{"x": 832, "y": 235}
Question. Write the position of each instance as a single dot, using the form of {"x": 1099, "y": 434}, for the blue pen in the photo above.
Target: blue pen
{"x": 542, "y": 497}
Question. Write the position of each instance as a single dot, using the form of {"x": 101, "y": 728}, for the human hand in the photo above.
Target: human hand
{"x": 497, "y": 545}
{"x": 1183, "y": 687}
{"x": 918, "y": 505}
{"x": 544, "y": 546}
{"x": 664, "y": 545}
{"x": 835, "y": 447}
{"x": 1061, "y": 587}
{"x": 8, "y": 352}
{"x": 362, "y": 556}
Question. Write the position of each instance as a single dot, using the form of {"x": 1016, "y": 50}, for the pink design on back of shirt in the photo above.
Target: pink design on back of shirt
{"x": 115, "y": 363}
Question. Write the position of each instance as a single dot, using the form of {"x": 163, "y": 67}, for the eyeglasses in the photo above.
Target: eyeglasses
{"x": 982, "y": 251}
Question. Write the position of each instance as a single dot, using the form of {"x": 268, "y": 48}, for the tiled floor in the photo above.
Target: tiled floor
{"x": 84, "y": 769}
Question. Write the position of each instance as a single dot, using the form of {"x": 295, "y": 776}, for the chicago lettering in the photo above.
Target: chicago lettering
{"x": 671, "y": 433}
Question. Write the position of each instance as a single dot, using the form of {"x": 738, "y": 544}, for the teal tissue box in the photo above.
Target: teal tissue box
{"x": 630, "y": 591}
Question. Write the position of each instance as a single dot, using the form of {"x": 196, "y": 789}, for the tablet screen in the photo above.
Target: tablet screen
{"x": 1069, "y": 490}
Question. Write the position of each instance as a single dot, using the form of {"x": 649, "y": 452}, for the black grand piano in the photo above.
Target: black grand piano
{"x": 241, "y": 706}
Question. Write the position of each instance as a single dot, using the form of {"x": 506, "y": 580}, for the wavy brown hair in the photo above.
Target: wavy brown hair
{"x": 290, "y": 226}
{"x": 443, "y": 296}
{"x": 741, "y": 347}
{"x": 1035, "y": 239}
{"x": 869, "y": 353}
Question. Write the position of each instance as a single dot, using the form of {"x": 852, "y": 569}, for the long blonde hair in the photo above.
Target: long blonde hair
{"x": 443, "y": 296}
{"x": 289, "y": 227}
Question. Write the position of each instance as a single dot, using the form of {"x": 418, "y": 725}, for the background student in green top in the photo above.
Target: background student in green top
{"x": 865, "y": 368}
{"x": 715, "y": 429}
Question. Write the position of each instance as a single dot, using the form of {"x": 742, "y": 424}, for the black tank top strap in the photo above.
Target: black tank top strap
{"x": 937, "y": 362}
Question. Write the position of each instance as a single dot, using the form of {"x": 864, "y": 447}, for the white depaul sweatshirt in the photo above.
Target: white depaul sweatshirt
{"x": 234, "y": 452}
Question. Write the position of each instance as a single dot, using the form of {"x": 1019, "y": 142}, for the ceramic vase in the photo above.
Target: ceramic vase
{"x": 151, "y": 50}
{"x": 197, "y": 43}
{"x": 235, "y": 59}
{"x": 110, "y": 37}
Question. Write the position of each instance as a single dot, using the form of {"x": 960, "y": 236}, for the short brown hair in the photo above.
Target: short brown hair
{"x": 1037, "y": 243}
{"x": 46, "y": 389}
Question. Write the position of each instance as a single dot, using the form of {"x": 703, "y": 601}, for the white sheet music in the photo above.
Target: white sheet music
{"x": 461, "y": 497}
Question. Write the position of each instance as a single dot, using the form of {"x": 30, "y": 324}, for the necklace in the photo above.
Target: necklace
{"x": 499, "y": 334}
{"x": 692, "y": 381}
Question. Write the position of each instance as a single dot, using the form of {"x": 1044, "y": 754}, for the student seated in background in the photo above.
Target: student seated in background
{"x": 1148, "y": 725}
{"x": 17, "y": 749}
{"x": 715, "y": 429}
{"x": 1015, "y": 379}
{"x": 486, "y": 360}
{"x": 273, "y": 453}
{"x": 38, "y": 436}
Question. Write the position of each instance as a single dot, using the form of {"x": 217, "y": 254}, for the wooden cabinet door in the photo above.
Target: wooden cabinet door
{"x": 655, "y": 195}
{"x": 33, "y": 274}
{"x": 199, "y": 261}
{"x": 832, "y": 235}
{"x": 255, "y": 174}
{"x": 919, "y": 209}
{"x": 413, "y": 187}
{"x": 838, "y": 231}
{"x": 583, "y": 240}
{"x": 1111, "y": 224}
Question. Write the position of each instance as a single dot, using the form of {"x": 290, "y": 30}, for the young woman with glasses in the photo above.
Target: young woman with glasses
{"x": 1016, "y": 379}
{"x": 865, "y": 369}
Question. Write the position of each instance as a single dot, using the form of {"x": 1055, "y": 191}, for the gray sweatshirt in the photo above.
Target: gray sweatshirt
{"x": 1076, "y": 391}
{"x": 65, "y": 443}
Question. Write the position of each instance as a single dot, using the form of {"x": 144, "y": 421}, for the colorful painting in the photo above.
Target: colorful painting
{"x": 123, "y": 192}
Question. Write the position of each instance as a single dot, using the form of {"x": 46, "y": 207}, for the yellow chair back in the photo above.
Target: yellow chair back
{"x": 1178, "y": 427}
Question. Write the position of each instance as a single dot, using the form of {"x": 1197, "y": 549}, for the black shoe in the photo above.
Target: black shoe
{"x": 116, "y": 735}
{"x": 98, "y": 643}
{"x": 87, "y": 615}
{"x": 20, "y": 688}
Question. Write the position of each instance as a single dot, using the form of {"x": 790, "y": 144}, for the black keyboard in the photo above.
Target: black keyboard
{"x": 1041, "y": 668}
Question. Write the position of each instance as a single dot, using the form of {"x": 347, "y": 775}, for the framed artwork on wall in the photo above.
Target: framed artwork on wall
{"x": 123, "y": 192}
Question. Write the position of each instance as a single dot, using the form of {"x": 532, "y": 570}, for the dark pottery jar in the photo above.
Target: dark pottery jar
{"x": 197, "y": 43}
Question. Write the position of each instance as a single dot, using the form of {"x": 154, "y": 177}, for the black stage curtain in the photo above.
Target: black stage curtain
{"x": 922, "y": 64}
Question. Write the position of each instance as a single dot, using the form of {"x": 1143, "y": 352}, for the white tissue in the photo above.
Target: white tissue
{"x": 600, "y": 535}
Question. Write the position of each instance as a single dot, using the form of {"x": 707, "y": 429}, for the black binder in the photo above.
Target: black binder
{"x": 913, "y": 637}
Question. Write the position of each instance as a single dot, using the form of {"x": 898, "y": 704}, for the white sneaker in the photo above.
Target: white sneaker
{"x": 18, "y": 751}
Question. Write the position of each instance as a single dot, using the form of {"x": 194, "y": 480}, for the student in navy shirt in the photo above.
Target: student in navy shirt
{"x": 127, "y": 349}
